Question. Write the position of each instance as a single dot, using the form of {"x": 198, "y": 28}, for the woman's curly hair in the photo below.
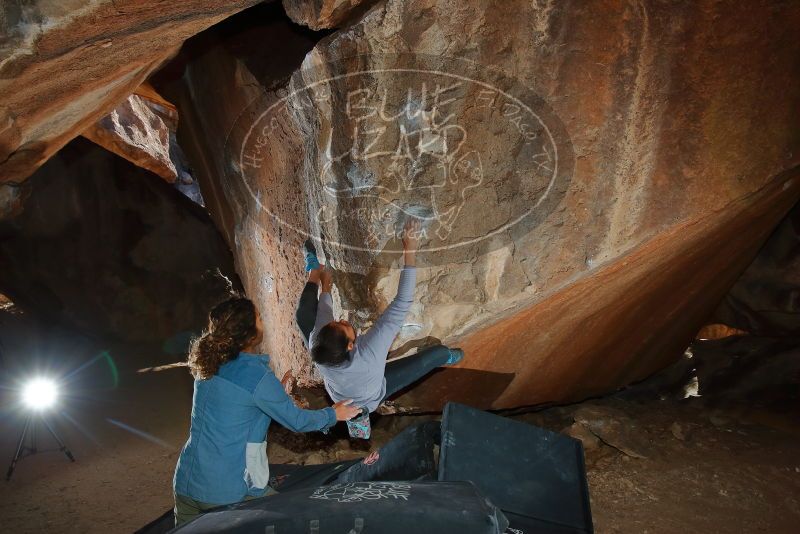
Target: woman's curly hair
{"x": 231, "y": 325}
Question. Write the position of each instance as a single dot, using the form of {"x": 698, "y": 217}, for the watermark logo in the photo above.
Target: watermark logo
{"x": 477, "y": 157}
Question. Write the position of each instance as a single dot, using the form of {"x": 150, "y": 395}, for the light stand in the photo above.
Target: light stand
{"x": 29, "y": 450}
{"x": 39, "y": 394}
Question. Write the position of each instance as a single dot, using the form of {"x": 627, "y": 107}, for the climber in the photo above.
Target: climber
{"x": 236, "y": 396}
{"x": 354, "y": 366}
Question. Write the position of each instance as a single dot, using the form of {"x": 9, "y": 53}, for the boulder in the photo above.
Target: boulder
{"x": 11, "y": 199}
{"x": 220, "y": 72}
{"x": 677, "y": 431}
{"x": 66, "y": 64}
{"x": 136, "y": 132}
{"x": 321, "y": 14}
{"x": 580, "y": 432}
{"x": 719, "y": 330}
{"x": 593, "y": 176}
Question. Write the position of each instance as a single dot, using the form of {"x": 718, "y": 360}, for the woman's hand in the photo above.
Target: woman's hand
{"x": 344, "y": 411}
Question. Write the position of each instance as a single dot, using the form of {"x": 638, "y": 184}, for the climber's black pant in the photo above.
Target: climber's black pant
{"x": 306, "y": 313}
{"x": 405, "y": 371}
{"x": 400, "y": 372}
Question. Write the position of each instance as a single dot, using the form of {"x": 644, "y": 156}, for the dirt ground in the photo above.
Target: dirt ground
{"x": 723, "y": 470}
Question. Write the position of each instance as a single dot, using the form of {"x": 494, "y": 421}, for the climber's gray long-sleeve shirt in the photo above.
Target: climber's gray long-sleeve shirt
{"x": 362, "y": 379}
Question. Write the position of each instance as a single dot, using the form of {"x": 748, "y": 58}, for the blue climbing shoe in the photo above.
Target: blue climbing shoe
{"x": 310, "y": 255}
{"x": 456, "y": 355}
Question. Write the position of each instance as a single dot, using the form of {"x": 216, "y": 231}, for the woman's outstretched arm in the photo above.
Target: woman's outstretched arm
{"x": 272, "y": 399}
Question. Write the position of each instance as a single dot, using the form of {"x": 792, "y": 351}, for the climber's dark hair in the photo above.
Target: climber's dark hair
{"x": 231, "y": 325}
{"x": 330, "y": 346}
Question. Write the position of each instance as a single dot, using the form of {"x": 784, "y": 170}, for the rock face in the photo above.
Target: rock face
{"x": 112, "y": 249}
{"x": 11, "y": 197}
{"x": 225, "y": 70}
{"x": 136, "y": 132}
{"x": 593, "y": 176}
{"x": 66, "y": 64}
{"x": 321, "y": 14}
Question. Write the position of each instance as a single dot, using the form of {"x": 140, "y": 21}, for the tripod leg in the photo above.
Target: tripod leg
{"x": 19, "y": 449}
{"x": 32, "y": 432}
{"x": 63, "y": 448}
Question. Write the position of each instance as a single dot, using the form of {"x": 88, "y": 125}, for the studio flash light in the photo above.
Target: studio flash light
{"x": 38, "y": 396}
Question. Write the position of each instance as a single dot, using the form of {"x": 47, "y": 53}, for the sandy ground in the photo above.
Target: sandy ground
{"x": 730, "y": 471}
{"x": 725, "y": 471}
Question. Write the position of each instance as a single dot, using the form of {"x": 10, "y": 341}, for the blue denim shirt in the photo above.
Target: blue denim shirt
{"x": 224, "y": 459}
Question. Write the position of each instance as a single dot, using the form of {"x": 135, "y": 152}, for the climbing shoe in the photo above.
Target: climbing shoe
{"x": 456, "y": 355}
{"x": 310, "y": 255}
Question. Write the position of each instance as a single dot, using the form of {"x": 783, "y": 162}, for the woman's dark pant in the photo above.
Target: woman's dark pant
{"x": 399, "y": 373}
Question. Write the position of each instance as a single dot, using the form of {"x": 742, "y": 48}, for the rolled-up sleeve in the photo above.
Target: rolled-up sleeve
{"x": 272, "y": 399}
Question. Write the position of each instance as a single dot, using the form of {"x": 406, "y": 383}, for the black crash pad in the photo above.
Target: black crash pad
{"x": 360, "y": 507}
{"x": 288, "y": 477}
{"x": 535, "y": 476}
